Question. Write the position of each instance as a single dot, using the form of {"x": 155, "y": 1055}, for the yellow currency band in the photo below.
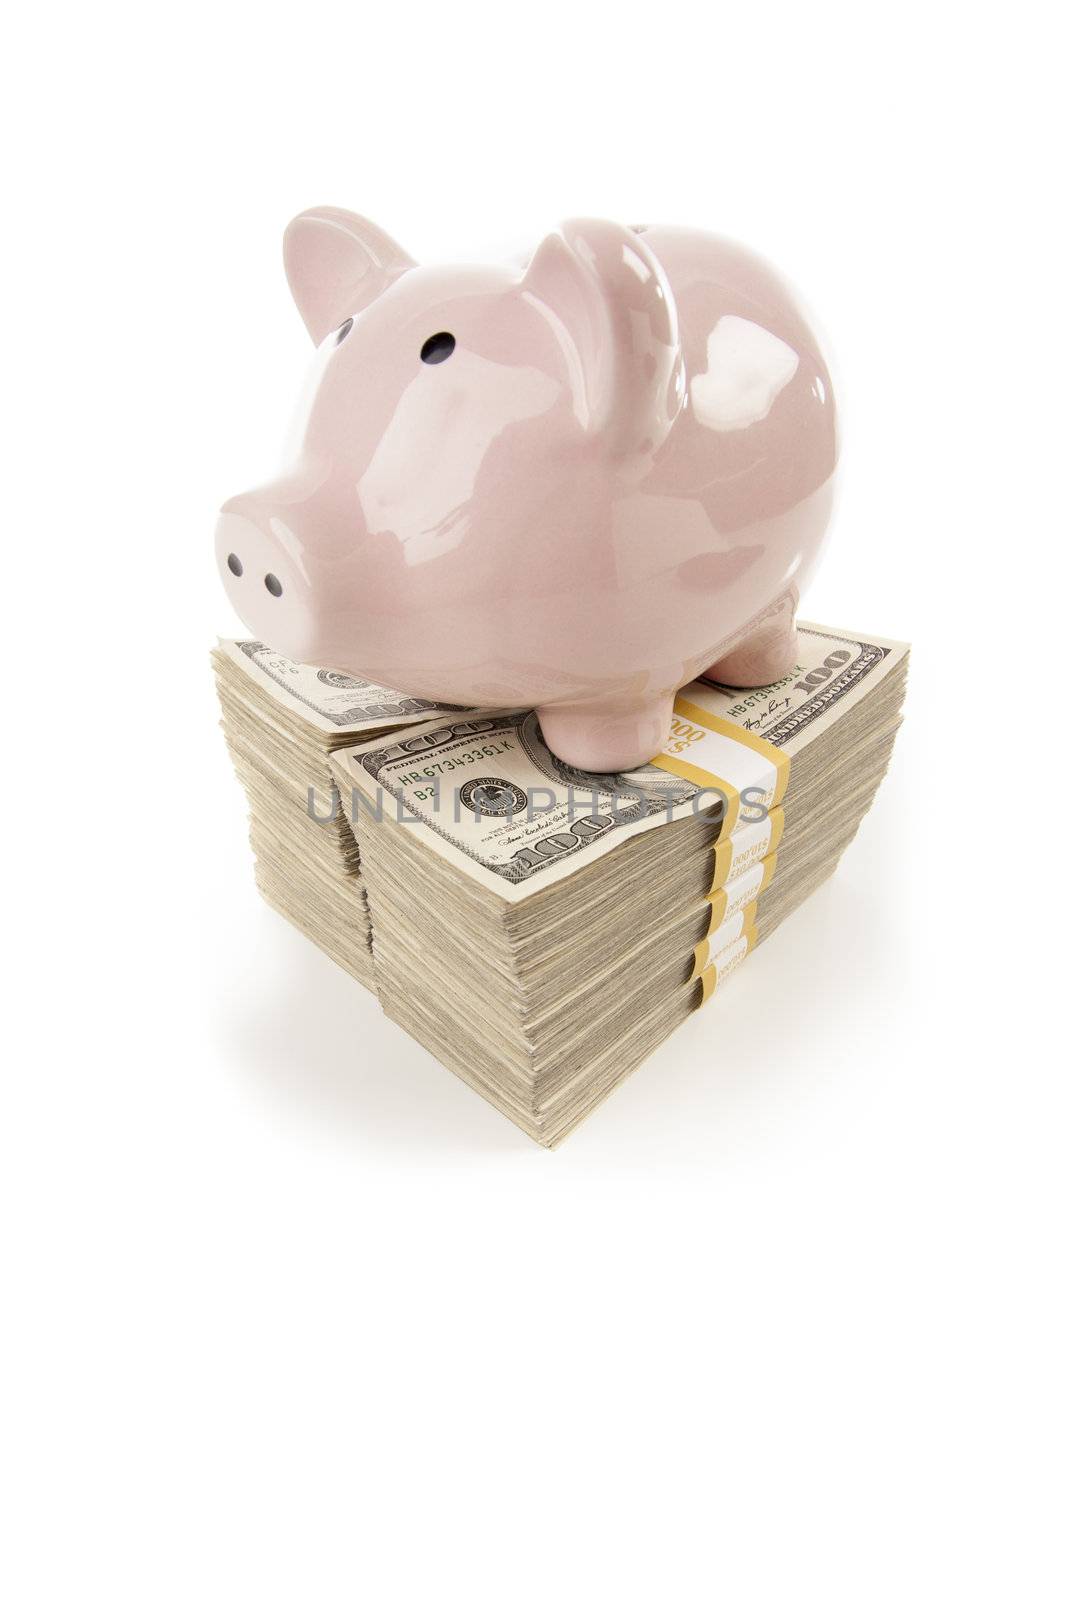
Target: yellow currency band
{"x": 730, "y": 730}
{"x": 704, "y": 777}
{"x": 719, "y": 899}
{"x": 724, "y": 860}
{"x": 709, "y": 978}
{"x": 704, "y": 967}
{"x": 723, "y": 851}
{"x": 702, "y": 953}
{"x": 704, "y": 780}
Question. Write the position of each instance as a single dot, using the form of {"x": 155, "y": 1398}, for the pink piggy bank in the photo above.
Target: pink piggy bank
{"x": 573, "y": 485}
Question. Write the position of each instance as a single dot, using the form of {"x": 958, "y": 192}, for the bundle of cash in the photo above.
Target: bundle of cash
{"x": 282, "y": 722}
{"x": 541, "y": 929}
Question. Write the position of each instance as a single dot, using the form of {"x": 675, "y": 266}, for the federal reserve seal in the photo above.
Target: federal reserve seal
{"x": 337, "y": 680}
{"x": 493, "y": 797}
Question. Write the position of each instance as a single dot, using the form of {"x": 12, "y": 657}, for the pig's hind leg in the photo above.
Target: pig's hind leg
{"x": 766, "y": 655}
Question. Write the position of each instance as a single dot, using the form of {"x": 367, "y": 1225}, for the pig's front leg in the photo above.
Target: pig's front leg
{"x": 607, "y": 738}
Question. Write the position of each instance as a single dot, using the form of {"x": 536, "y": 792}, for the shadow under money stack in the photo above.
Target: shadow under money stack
{"x": 541, "y": 929}
{"x": 282, "y": 722}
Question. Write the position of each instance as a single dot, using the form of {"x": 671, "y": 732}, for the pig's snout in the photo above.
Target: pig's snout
{"x": 271, "y": 581}
{"x": 265, "y": 586}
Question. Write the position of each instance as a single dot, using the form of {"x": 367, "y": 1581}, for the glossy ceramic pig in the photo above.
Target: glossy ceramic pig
{"x": 573, "y": 485}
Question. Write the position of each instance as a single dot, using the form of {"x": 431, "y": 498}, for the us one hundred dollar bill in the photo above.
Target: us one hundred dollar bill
{"x": 331, "y": 701}
{"x": 485, "y": 791}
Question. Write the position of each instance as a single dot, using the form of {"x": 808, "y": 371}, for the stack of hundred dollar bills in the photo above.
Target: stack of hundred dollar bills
{"x": 542, "y": 929}
{"x": 282, "y": 722}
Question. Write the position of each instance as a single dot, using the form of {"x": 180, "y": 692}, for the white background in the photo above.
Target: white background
{"x": 289, "y": 1311}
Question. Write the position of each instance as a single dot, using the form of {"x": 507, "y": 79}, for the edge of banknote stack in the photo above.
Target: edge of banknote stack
{"x": 282, "y": 722}
{"x": 540, "y": 929}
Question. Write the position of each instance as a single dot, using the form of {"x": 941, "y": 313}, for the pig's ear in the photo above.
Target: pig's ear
{"x": 337, "y": 263}
{"x": 619, "y": 320}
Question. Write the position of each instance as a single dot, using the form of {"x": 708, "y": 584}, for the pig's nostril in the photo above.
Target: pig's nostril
{"x": 234, "y": 564}
{"x": 438, "y": 347}
{"x": 273, "y": 586}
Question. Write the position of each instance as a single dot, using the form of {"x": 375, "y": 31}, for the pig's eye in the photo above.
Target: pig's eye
{"x": 438, "y": 347}
{"x": 343, "y": 331}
